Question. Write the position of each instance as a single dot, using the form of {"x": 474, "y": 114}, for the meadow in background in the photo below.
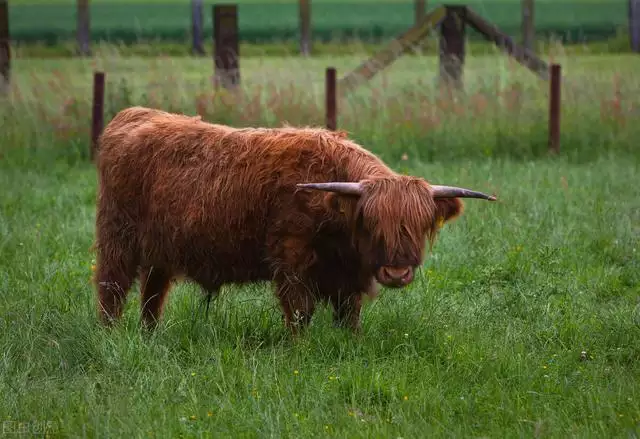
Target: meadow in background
{"x": 523, "y": 321}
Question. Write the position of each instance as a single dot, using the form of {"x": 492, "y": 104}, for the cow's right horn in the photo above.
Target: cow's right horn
{"x": 458, "y": 192}
{"x": 349, "y": 188}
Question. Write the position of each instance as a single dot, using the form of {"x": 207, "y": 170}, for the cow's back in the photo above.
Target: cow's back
{"x": 202, "y": 196}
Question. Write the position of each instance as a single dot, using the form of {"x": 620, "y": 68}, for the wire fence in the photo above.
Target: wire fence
{"x": 568, "y": 21}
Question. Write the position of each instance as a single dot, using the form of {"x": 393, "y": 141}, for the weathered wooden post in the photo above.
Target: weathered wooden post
{"x": 83, "y": 33}
{"x": 5, "y": 47}
{"x": 528, "y": 27}
{"x": 419, "y": 10}
{"x": 226, "y": 48}
{"x": 305, "y": 27}
{"x": 97, "y": 116}
{"x": 452, "y": 46}
{"x": 634, "y": 25}
{"x": 554, "y": 109}
{"x": 196, "y": 27}
{"x": 330, "y": 98}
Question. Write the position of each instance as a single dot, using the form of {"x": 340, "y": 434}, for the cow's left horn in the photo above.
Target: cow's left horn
{"x": 350, "y": 188}
{"x": 458, "y": 192}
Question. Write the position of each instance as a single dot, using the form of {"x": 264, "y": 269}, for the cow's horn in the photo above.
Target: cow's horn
{"x": 458, "y": 192}
{"x": 351, "y": 188}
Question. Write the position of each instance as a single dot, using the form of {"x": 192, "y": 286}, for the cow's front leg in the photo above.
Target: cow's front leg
{"x": 346, "y": 311}
{"x": 297, "y": 303}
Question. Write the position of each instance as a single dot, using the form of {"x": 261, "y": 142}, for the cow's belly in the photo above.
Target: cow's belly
{"x": 207, "y": 261}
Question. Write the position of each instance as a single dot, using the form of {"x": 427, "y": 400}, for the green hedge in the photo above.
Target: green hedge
{"x": 570, "y": 21}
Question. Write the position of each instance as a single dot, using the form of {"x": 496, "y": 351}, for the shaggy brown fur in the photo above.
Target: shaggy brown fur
{"x": 181, "y": 198}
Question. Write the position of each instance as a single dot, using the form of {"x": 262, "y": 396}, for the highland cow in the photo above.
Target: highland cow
{"x": 306, "y": 208}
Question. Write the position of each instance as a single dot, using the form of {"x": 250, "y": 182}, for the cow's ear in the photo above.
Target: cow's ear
{"x": 340, "y": 203}
{"x": 448, "y": 209}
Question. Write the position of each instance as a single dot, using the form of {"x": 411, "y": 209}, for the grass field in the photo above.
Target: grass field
{"x": 524, "y": 321}
{"x": 262, "y": 21}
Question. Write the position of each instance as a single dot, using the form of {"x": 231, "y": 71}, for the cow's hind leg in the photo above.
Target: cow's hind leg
{"x": 117, "y": 261}
{"x": 154, "y": 286}
{"x": 115, "y": 273}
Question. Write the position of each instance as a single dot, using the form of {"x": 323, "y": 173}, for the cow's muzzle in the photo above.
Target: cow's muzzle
{"x": 394, "y": 277}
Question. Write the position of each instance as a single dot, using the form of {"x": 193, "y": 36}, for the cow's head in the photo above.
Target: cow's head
{"x": 393, "y": 217}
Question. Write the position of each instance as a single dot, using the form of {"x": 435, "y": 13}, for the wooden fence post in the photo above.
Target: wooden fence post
{"x": 196, "y": 27}
{"x": 5, "y": 47}
{"x": 554, "y": 109}
{"x": 528, "y": 27}
{"x": 305, "y": 26}
{"x": 452, "y": 46}
{"x": 634, "y": 25}
{"x": 226, "y": 51}
{"x": 83, "y": 33}
{"x": 419, "y": 10}
{"x": 330, "y": 98}
{"x": 97, "y": 117}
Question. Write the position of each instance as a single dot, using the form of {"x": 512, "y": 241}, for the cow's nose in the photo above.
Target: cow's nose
{"x": 397, "y": 273}
{"x": 395, "y": 277}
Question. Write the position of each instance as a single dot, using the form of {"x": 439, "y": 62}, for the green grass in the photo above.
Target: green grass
{"x": 487, "y": 341}
{"x": 261, "y": 21}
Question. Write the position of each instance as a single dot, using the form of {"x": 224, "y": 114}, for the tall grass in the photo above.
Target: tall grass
{"x": 503, "y": 111}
